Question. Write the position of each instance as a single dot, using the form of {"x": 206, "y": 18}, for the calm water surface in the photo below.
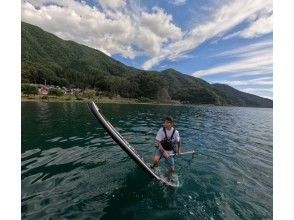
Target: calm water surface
{"x": 71, "y": 168}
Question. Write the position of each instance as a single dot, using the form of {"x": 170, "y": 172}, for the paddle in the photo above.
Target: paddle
{"x": 183, "y": 153}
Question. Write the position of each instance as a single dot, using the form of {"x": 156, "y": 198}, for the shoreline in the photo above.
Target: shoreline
{"x": 38, "y": 98}
{"x": 107, "y": 100}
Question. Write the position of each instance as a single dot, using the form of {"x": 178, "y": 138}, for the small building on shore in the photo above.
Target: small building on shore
{"x": 43, "y": 89}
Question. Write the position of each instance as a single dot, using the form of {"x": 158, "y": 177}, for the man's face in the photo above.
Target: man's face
{"x": 167, "y": 124}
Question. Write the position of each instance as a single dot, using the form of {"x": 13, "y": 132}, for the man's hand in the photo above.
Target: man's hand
{"x": 165, "y": 154}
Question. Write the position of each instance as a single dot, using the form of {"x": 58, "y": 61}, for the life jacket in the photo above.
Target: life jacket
{"x": 167, "y": 143}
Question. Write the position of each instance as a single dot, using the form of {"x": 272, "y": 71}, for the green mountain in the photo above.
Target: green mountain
{"x": 237, "y": 98}
{"x": 44, "y": 56}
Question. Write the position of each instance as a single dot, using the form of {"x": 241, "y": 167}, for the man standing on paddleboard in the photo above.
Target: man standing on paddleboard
{"x": 167, "y": 143}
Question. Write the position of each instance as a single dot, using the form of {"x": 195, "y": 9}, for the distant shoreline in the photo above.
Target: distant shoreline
{"x": 40, "y": 98}
{"x": 107, "y": 100}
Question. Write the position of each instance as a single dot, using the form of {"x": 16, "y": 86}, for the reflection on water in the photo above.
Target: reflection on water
{"x": 71, "y": 168}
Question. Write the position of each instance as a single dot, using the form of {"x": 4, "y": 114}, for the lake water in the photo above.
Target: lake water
{"x": 71, "y": 168}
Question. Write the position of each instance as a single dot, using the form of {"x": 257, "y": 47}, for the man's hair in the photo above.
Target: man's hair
{"x": 169, "y": 118}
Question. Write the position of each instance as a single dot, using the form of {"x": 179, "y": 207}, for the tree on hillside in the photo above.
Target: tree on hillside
{"x": 29, "y": 89}
{"x": 89, "y": 93}
{"x": 55, "y": 92}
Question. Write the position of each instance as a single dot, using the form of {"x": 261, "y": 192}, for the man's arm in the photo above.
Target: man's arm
{"x": 164, "y": 153}
{"x": 178, "y": 142}
{"x": 159, "y": 145}
{"x": 178, "y": 147}
{"x": 158, "y": 139}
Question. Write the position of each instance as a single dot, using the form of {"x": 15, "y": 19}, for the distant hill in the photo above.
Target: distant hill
{"x": 235, "y": 97}
{"x": 44, "y": 56}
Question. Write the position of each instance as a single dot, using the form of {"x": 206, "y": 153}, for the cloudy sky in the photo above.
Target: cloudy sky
{"x": 220, "y": 41}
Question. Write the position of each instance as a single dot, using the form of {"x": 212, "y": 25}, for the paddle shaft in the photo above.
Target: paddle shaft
{"x": 183, "y": 153}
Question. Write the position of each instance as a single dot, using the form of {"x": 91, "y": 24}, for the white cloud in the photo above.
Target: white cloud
{"x": 231, "y": 35}
{"x": 224, "y": 19}
{"x": 83, "y": 24}
{"x": 247, "y": 50}
{"x": 257, "y": 89}
{"x": 112, "y": 3}
{"x": 261, "y": 81}
{"x": 121, "y": 27}
{"x": 160, "y": 24}
{"x": 177, "y": 2}
{"x": 263, "y": 92}
{"x": 254, "y": 59}
{"x": 263, "y": 65}
{"x": 155, "y": 29}
{"x": 259, "y": 27}
{"x": 114, "y": 29}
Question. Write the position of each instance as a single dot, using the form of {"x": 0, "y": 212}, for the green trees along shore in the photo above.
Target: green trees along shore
{"x": 47, "y": 59}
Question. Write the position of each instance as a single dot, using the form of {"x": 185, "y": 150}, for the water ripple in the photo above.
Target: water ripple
{"x": 71, "y": 168}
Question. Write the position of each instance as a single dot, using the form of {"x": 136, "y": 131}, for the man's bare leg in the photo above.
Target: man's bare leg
{"x": 155, "y": 160}
{"x": 170, "y": 172}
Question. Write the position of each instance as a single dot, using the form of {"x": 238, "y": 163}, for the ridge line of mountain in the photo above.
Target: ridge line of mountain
{"x": 66, "y": 63}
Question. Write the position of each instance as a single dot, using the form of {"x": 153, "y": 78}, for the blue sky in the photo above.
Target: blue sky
{"x": 220, "y": 41}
